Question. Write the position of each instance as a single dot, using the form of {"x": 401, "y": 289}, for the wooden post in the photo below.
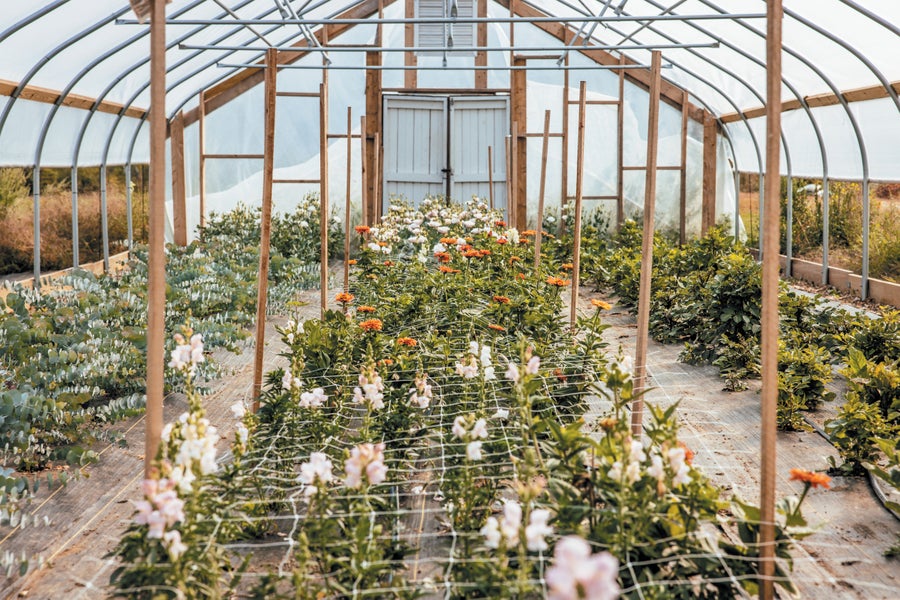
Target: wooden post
{"x": 363, "y": 188}
{"x": 519, "y": 146}
{"x": 491, "y": 177}
{"x": 770, "y": 266}
{"x": 323, "y": 190}
{"x": 539, "y": 227}
{"x": 643, "y": 317}
{"x": 409, "y": 37}
{"x": 179, "y": 202}
{"x": 481, "y": 57}
{"x": 579, "y": 192}
{"x": 514, "y": 175}
{"x": 620, "y": 150}
{"x": 708, "y": 215}
{"x": 265, "y": 233}
{"x": 379, "y": 192}
{"x": 373, "y": 125}
{"x": 201, "y": 126}
{"x": 347, "y": 205}
{"x": 682, "y": 196}
{"x": 564, "y": 183}
{"x": 509, "y": 208}
{"x": 156, "y": 267}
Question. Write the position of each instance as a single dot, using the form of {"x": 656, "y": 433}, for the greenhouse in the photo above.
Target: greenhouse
{"x": 524, "y": 299}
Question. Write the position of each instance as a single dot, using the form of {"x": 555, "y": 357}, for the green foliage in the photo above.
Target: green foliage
{"x": 853, "y": 431}
{"x": 875, "y": 383}
{"x": 13, "y": 186}
{"x": 803, "y": 374}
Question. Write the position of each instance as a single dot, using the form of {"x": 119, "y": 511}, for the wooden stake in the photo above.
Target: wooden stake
{"x": 643, "y": 318}
{"x": 509, "y": 202}
{"x": 347, "y": 205}
{"x": 682, "y": 196}
{"x": 323, "y": 190}
{"x": 378, "y": 199}
{"x": 539, "y": 227}
{"x": 579, "y": 196}
{"x": 708, "y": 209}
{"x": 364, "y": 187}
{"x": 564, "y": 180}
{"x": 771, "y": 260}
{"x": 156, "y": 267}
{"x": 265, "y": 233}
{"x": 514, "y": 175}
{"x": 491, "y": 176}
{"x": 201, "y": 125}
{"x": 620, "y": 150}
{"x": 179, "y": 201}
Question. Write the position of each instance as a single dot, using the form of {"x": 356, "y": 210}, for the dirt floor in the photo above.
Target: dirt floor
{"x": 842, "y": 560}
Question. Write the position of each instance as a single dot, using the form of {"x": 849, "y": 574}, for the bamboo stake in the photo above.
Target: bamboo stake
{"x": 347, "y": 205}
{"x": 771, "y": 259}
{"x": 643, "y": 319}
{"x": 539, "y": 227}
{"x": 156, "y": 275}
{"x": 265, "y": 234}
{"x": 579, "y": 196}
{"x": 491, "y": 176}
{"x": 323, "y": 190}
{"x": 364, "y": 188}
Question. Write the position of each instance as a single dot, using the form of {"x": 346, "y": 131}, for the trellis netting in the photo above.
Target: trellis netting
{"x": 445, "y": 434}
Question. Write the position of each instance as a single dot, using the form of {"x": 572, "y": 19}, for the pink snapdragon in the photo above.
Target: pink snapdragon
{"x": 577, "y": 574}
{"x": 365, "y": 459}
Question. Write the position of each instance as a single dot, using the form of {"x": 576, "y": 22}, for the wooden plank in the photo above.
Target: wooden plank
{"x": 323, "y": 191}
{"x": 201, "y": 125}
{"x": 540, "y": 135}
{"x": 669, "y": 92}
{"x": 297, "y": 181}
{"x": 769, "y": 332}
{"x": 658, "y": 167}
{"x": 235, "y": 156}
{"x": 481, "y": 57}
{"x": 862, "y": 94}
{"x": 224, "y": 92}
{"x": 49, "y": 96}
{"x": 539, "y": 226}
{"x": 643, "y": 316}
{"x": 451, "y": 91}
{"x": 409, "y": 35}
{"x": 708, "y": 210}
{"x": 156, "y": 267}
{"x": 579, "y": 191}
{"x": 179, "y": 202}
{"x": 682, "y": 181}
{"x": 297, "y": 95}
{"x": 373, "y": 126}
{"x": 519, "y": 116}
{"x": 262, "y": 277}
{"x": 620, "y": 150}
{"x": 347, "y": 204}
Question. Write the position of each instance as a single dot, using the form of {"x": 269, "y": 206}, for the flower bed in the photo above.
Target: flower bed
{"x": 428, "y": 437}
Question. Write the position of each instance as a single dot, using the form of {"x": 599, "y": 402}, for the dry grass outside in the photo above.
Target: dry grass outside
{"x": 17, "y": 229}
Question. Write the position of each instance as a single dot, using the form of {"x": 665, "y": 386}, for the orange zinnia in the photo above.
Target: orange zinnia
{"x": 496, "y": 327}
{"x": 501, "y": 299}
{"x": 558, "y": 281}
{"x": 527, "y": 232}
{"x": 811, "y": 478}
{"x": 688, "y": 453}
{"x": 448, "y": 241}
{"x": 388, "y": 263}
{"x": 502, "y": 241}
{"x": 366, "y": 309}
{"x": 567, "y": 266}
{"x": 386, "y": 362}
{"x": 371, "y": 325}
{"x": 344, "y": 298}
{"x": 500, "y": 223}
{"x": 520, "y": 276}
{"x": 513, "y": 259}
{"x": 351, "y": 262}
{"x": 443, "y": 257}
{"x": 485, "y": 252}
{"x": 406, "y": 341}
{"x": 473, "y": 254}
{"x": 600, "y": 304}
{"x": 361, "y": 229}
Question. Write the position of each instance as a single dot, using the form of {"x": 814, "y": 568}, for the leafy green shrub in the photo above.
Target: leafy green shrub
{"x": 853, "y": 431}
{"x": 803, "y": 374}
{"x": 875, "y": 383}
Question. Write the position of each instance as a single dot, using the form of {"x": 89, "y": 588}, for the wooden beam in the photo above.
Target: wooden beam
{"x": 481, "y": 57}
{"x": 347, "y": 201}
{"x": 201, "y": 125}
{"x": 519, "y": 117}
{"x": 409, "y": 58}
{"x": 643, "y": 316}
{"x": 873, "y": 92}
{"x": 669, "y": 93}
{"x": 242, "y": 81}
{"x": 156, "y": 254}
{"x": 373, "y": 126}
{"x": 579, "y": 191}
{"x": 708, "y": 210}
{"x": 49, "y": 96}
{"x": 564, "y": 179}
{"x": 769, "y": 323}
{"x": 364, "y": 200}
{"x": 262, "y": 278}
{"x": 179, "y": 202}
{"x": 620, "y": 150}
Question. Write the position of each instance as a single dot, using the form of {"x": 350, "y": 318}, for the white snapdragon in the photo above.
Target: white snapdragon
{"x": 578, "y": 574}
{"x": 366, "y": 459}
{"x": 187, "y": 354}
{"x": 160, "y": 508}
{"x": 370, "y": 390}
{"x": 313, "y": 399}
{"x": 421, "y": 395}
{"x": 316, "y": 472}
{"x": 537, "y": 530}
{"x": 473, "y": 450}
{"x": 238, "y": 409}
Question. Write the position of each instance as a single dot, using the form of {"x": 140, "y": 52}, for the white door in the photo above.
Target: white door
{"x": 439, "y": 146}
{"x": 415, "y": 147}
{"x": 477, "y": 124}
